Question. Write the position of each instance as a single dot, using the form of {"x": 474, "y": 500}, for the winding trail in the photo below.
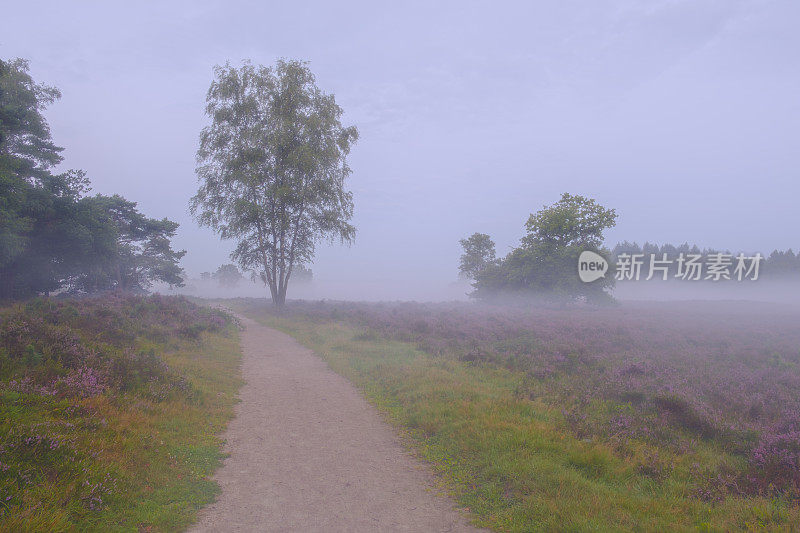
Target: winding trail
{"x": 308, "y": 453}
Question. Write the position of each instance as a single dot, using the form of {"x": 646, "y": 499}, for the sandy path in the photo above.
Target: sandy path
{"x": 307, "y": 453}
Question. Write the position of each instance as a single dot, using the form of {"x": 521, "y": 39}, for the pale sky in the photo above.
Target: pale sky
{"x": 684, "y": 115}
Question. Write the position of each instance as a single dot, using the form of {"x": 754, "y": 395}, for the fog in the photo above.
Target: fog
{"x": 681, "y": 115}
{"x": 765, "y": 291}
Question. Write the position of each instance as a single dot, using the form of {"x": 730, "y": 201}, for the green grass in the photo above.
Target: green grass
{"x": 151, "y": 458}
{"x": 513, "y": 462}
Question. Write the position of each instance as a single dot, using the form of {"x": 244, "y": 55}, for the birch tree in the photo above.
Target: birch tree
{"x": 272, "y": 166}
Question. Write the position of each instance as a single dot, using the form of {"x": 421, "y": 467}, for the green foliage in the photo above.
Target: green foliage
{"x": 782, "y": 264}
{"x": 25, "y": 144}
{"x": 142, "y": 250}
{"x": 272, "y": 167}
{"x": 228, "y": 275}
{"x": 572, "y": 221}
{"x": 51, "y": 235}
{"x": 61, "y": 234}
{"x": 98, "y": 400}
{"x": 302, "y": 274}
{"x": 40, "y": 221}
{"x": 478, "y": 253}
{"x": 545, "y": 263}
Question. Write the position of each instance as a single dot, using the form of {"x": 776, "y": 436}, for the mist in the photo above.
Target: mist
{"x": 681, "y": 115}
{"x": 414, "y": 266}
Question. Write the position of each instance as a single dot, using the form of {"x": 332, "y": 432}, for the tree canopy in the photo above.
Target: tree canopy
{"x": 142, "y": 250}
{"x": 53, "y": 236}
{"x": 228, "y": 275}
{"x": 545, "y": 263}
{"x": 478, "y": 253}
{"x": 272, "y": 168}
{"x": 572, "y": 221}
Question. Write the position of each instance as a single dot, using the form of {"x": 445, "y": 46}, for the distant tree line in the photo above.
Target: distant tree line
{"x": 53, "y": 236}
{"x": 777, "y": 265}
{"x": 229, "y": 275}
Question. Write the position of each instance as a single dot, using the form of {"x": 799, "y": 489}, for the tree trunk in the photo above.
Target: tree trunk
{"x": 278, "y": 296}
{"x": 281, "y": 301}
{"x": 273, "y": 292}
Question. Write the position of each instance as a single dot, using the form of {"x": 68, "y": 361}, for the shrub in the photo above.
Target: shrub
{"x": 82, "y": 347}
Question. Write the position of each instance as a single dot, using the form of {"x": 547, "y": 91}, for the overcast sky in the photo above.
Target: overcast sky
{"x": 684, "y": 115}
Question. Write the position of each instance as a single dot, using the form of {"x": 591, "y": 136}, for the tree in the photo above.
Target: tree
{"x": 228, "y": 276}
{"x": 27, "y": 153}
{"x": 142, "y": 252}
{"x": 545, "y": 264}
{"x": 52, "y": 236}
{"x": 782, "y": 265}
{"x": 45, "y": 230}
{"x": 302, "y": 274}
{"x": 65, "y": 237}
{"x": 26, "y": 148}
{"x": 478, "y": 253}
{"x": 272, "y": 168}
{"x": 573, "y": 220}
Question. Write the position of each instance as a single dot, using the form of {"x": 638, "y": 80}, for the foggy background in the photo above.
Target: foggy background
{"x": 682, "y": 115}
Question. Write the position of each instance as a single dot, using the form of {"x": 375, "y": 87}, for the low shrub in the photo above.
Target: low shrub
{"x": 84, "y": 384}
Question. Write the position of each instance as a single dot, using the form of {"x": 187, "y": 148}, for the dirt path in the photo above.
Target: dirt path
{"x": 309, "y": 454}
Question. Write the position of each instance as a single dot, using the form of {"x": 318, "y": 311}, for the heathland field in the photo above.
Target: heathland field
{"x": 109, "y": 412}
{"x": 680, "y": 416}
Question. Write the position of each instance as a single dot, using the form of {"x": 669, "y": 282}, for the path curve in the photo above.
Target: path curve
{"x": 308, "y": 453}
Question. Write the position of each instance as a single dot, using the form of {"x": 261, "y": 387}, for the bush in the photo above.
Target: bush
{"x": 83, "y": 347}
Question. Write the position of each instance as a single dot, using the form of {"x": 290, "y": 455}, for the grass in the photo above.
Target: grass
{"x": 131, "y": 455}
{"x": 515, "y": 462}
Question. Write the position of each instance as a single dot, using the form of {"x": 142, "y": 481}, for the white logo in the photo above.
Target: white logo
{"x": 591, "y": 266}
